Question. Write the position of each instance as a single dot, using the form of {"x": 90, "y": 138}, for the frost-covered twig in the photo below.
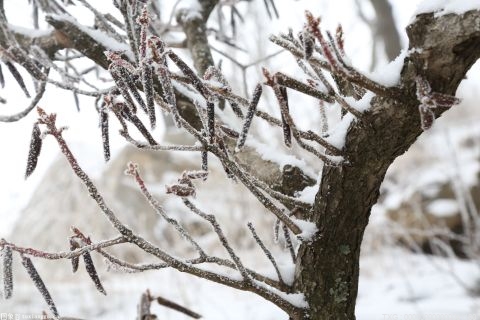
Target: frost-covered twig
{"x": 64, "y": 254}
{"x": 265, "y": 251}
{"x": 141, "y": 145}
{"x": 132, "y": 169}
{"x": 175, "y": 306}
{"x": 37, "y": 280}
{"x": 49, "y": 120}
{"x": 218, "y": 230}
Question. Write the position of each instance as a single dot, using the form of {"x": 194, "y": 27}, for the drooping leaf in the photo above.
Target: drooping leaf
{"x": 186, "y": 70}
{"x": 287, "y": 132}
{"x": 147, "y": 83}
{"x": 34, "y": 151}
{"x": 105, "y": 136}
{"x": 122, "y": 87}
{"x": 128, "y": 79}
{"x": 229, "y": 132}
{"x": 211, "y": 121}
{"x": 427, "y": 117}
{"x": 7, "y": 272}
{"x": 92, "y": 272}
{"x": 205, "y": 161}
{"x": 250, "y": 113}
{"x": 37, "y": 280}
{"x": 18, "y": 77}
{"x": 73, "y": 246}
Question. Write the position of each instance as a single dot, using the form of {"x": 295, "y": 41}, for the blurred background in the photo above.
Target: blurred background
{"x": 421, "y": 252}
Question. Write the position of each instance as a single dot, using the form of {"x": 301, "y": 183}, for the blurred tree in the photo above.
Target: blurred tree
{"x": 372, "y": 132}
{"x": 383, "y": 28}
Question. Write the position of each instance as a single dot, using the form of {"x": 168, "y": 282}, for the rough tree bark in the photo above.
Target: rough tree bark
{"x": 443, "y": 50}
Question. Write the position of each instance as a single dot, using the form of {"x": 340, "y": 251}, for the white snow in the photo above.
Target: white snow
{"x": 389, "y": 75}
{"x": 443, "y": 207}
{"x": 273, "y": 154}
{"x": 29, "y": 32}
{"x": 309, "y": 229}
{"x": 296, "y": 299}
{"x": 363, "y": 104}
{"x": 441, "y": 7}
{"x": 107, "y": 41}
{"x": 308, "y": 193}
{"x": 288, "y": 272}
{"x": 337, "y": 135}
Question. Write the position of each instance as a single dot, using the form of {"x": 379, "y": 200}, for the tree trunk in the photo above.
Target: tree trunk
{"x": 328, "y": 267}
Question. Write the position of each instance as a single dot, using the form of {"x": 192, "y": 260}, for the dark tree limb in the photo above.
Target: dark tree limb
{"x": 449, "y": 47}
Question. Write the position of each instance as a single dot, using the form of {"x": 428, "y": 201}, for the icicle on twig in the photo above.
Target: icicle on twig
{"x": 214, "y": 72}
{"x": 144, "y": 20}
{"x": 287, "y": 81}
{"x": 223, "y": 148}
{"x": 7, "y": 267}
{"x": 139, "y": 125}
{"x": 130, "y": 82}
{"x": 248, "y": 120}
{"x": 288, "y": 242}
{"x": 123, "y": 88}
{"x": 281, "y": 93}
{"x": 276, "y": 230}
{"x": 92, "y": 272}
{"x": 145, "y": 65}
{"x": 221, "y": 236}
{"x": 282, "y": 98}
{"x": 204, "y": 155}
{"x": 174, "y": 306}
{"x": 75, "y": 260}
{"x": 126, "y": 10}
{"x": 147, "y": 83}
{"x": 186, "y": 70}
{"x": 26, "y": 62}
{"x": 105, "y": 134}
{"x": 37, "y": 280}
{"x": 169, "y": 94}
{"x": 211, "y": 121}
{"x": 34, "y": 150}
{"x": 265, "y": 250}
{"x": 18, "y": 77}
{"x": 323, "y": 116}
{"x": 229, "y": 132}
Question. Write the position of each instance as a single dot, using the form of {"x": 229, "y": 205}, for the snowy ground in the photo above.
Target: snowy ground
{"x": 392, "y": 283}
